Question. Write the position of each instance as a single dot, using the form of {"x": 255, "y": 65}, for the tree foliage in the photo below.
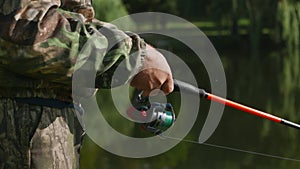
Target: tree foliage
{"x": 135, "y": 6}
{"x": 109, "y": 10}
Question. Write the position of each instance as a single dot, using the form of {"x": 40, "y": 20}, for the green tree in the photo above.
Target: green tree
{"x": 109, "y": 10}
{"x": 135, "y": 6}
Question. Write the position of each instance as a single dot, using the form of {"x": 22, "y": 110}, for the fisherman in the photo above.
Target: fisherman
{"x": 41, "y": 40}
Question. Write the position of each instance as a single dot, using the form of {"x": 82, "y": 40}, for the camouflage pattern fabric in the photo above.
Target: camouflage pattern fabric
{"x": 38, "y": 137}
{"x": 79, "y": 6}
{"x": 43, "y": 44}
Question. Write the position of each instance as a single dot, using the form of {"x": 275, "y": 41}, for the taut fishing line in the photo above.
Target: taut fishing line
{"x": 231, "y": 148}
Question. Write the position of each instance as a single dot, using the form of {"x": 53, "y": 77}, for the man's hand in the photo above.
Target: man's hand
{"x": 155, "y": 74}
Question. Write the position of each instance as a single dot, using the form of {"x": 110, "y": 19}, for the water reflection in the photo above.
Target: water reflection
{"x": 270, "y": 82}
{"x": 259, "y": 83}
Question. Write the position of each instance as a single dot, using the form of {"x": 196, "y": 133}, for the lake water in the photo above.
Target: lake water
{"x": 267, "y": 82}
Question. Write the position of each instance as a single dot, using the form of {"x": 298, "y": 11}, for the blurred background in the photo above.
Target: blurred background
{"x": 258, "y": 43}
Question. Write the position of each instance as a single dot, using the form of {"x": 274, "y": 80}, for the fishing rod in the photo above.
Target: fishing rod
{"x": 188, "y": 88}
{"x": 158, "y": 117}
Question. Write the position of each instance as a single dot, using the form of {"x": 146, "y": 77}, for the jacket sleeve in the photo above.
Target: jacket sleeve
{"x": 50, "y": 43}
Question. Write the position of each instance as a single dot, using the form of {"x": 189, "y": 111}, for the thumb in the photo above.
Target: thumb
{"x": 168, "y": 86}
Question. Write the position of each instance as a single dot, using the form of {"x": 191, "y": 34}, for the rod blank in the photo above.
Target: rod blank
{"x": 188, "y": 88}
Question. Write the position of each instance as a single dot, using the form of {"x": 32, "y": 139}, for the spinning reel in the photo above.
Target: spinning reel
{"x": 154, "y": 117}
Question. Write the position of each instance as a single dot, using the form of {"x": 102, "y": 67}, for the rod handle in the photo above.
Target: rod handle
{"x": 188, "y": 88}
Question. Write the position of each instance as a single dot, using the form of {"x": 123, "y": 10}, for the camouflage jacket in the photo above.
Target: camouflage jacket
{"x": 42, "y": 41}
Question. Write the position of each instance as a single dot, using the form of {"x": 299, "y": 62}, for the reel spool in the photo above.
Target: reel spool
{"x": 153, "y": 117}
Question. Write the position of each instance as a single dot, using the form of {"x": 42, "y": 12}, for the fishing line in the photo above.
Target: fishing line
{"x": 231, "y": 149}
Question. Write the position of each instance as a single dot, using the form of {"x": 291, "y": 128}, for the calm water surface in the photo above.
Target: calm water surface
{"x": 241, "y": 141}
